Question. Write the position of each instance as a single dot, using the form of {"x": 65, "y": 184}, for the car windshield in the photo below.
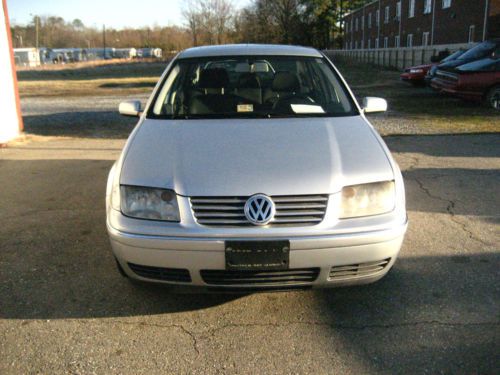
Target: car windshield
{"x": 478, "y": 51}
{"x": 453, "y": 56}
{"x": 484, "y": 65}
{"x": 252, "y": 87}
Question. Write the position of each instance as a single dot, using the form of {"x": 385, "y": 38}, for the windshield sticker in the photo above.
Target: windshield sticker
{"x": 307, "y": 108}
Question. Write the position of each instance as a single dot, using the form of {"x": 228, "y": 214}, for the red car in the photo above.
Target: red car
{"x": 416, "y": 74}
{"x": 475, "y": 81}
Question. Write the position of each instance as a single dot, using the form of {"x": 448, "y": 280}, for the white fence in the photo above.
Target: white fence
{"x": 398, "y": 58}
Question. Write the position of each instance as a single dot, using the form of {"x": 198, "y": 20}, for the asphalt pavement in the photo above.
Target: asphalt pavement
{"x": 65, "y": 309}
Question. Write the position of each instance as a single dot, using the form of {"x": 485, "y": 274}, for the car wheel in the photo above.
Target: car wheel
{"x": 493, "y": 98}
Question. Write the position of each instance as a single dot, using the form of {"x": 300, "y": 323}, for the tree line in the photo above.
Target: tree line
{"x": 316, "y": 23}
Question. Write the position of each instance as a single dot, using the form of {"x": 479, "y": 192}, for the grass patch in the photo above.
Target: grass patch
{"x": 89, "y": 87}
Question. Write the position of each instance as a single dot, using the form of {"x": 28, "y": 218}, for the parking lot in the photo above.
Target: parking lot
{"x": 65, "y": 309}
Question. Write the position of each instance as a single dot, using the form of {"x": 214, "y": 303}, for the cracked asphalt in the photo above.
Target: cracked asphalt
{"x": 65, "y": 309}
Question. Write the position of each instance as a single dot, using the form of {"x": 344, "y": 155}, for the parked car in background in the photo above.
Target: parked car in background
{"x": 431, "y": 73}
{"x": 254, "y": 167}
{"x": 475, "y": 81}
{"x": 416, "y": 74}
{"x": 478, "y": 52}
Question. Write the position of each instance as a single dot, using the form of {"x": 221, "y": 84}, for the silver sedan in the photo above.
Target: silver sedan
{"x": 252, "y": 167}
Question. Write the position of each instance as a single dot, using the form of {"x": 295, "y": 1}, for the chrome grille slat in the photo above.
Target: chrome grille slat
{"x": 358, "y": 270}
{"x": 217, "y": 200}
{"x": 305, "y": 198}
{"x": 210, "y": 214}
{"x": 296, "y": 210}
{"x": 218, "y": 207}
{"x": 299, "y": 213}
{"x": 298, "y": 220}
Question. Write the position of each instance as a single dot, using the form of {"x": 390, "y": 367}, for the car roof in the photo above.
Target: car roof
{"x": 249, "y": 49}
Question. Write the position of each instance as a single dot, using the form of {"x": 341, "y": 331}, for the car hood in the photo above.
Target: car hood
{"x": 424, "y": 66}
{"x": 451, "y": 65}
{"x": 241, "y": 157}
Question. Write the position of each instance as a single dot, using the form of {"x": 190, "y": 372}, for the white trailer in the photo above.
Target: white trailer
{"x": 27, "y": 57}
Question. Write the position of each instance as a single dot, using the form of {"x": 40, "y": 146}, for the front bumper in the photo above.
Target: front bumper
{"x": 326, "y": 254}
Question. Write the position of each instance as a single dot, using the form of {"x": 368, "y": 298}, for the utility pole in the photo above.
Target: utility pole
{"x": 104, "y": 41}
{"x": 37, "y": 20}
{"x": 36, "y": 32}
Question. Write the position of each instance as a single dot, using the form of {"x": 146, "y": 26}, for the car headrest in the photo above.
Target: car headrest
{"x": 215, "y": 78}
{"x": 285, "y": 81}
{"x": 248, "y": 81}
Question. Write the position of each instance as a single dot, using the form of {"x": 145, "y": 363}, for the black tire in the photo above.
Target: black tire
{"x": 493, "y": 98}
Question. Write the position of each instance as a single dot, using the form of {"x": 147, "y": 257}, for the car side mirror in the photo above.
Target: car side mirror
{"x": 373, "y": 105}
{"x": 130, "y": 108}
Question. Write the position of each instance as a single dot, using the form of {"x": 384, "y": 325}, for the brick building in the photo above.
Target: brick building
{"x": 413, "y": 23}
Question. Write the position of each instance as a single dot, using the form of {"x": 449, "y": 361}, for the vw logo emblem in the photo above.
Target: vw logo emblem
{"x": 259, "y": 209}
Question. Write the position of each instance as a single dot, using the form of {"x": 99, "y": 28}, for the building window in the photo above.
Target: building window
{"x": 472, "y": 30}
{"x": 352, "y": 20}
{"x": 377, "y": 17}
{"x": 411, "y": 9}
{"x": 398, "y": 10}
{"x": 356, "y": 27}
{"x": 362, "y": 44}
{"x": 446, "y": 4}
{"x": 425, "y": 39}
{"x": 397, "y": 41}
{"x": 386, "y": 16}
{"x": 370, "y": 20}
{"x": 356, "y": 44}
{"x": 363, "y": 23}
{"x": 409, "y": 40}
{"x": 376, "y": 43}
{"x": 369, "y": 43}
{"x": 386, "y": 42}
{"x": 427, "y": 6}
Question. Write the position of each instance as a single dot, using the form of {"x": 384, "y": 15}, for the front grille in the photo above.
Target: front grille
{"x": 296, "y": 210}
{"x": 160, "y": 273}
{"x": 358, "y": 270}
{"x": 448, "y": 76}
{"x": 283, "y": 278}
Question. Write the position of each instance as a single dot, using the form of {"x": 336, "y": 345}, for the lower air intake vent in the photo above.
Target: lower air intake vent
{"x": 286, "y": 277}
{"x": 159, "y": 273}
{"x": 358, "y": 270}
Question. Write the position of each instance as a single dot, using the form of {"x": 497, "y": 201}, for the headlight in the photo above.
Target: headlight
{"x": 416, "y": 70}
{"x": 367, "y": 199}
{"x": 149, "y": 203}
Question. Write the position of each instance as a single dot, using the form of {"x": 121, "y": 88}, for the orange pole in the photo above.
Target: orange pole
{"x": 13, "y": 66}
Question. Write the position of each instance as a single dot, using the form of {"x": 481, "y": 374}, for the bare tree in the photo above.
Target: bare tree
{"x": 191, "y": 12}
{"x": 209, "y": 21}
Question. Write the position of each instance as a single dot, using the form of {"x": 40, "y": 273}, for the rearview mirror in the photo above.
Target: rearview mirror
{"x": 130, "y": 108}
{"x": 372, "y": 104}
